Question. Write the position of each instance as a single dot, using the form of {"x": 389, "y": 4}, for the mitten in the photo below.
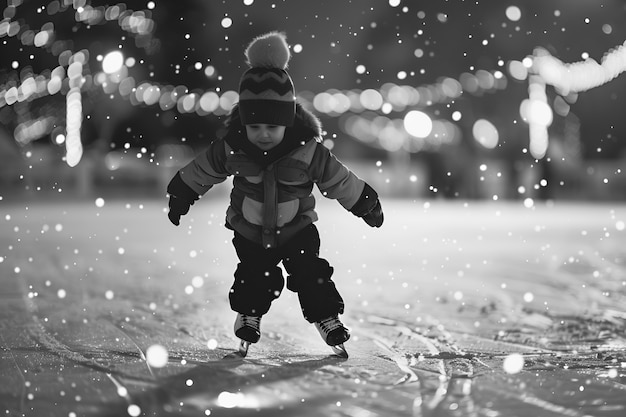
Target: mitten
{"x": 375, "y": 217}
{"x": 181, "y": 198}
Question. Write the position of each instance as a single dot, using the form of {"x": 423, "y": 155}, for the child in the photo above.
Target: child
{"x": 273, "y": 149}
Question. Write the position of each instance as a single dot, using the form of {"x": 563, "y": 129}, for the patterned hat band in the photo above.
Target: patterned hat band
{"x": 267, "y": 95}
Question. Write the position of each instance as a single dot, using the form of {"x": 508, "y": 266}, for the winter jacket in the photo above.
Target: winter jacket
{"x": 271, "y": 198}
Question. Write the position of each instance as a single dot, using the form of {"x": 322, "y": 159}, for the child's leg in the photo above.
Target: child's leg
{"x": 310, "y": 277}
{"x": 258, "y": 279}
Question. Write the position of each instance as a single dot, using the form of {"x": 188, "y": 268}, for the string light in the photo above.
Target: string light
{"x": 579, "y": 76}
{"x": 74, "y": 115}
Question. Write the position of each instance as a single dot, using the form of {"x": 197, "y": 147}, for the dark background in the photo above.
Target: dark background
{"x": 455, "y": 37}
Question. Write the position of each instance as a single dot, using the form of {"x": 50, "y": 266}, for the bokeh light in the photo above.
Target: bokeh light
{"x": 513, "y": 13}
{"x": 485, "y": 133}
{"x": 536, "y": 112}
{"x": 418, "y": 124}
{"x": 112, "y": 62}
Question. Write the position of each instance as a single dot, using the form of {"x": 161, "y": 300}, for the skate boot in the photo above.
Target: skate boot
{"x": 248, "y": 329}
{"x": 334, "y": 334}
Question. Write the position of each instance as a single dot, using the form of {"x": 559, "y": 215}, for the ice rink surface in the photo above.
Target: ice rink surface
{"x": 456, "y": 309}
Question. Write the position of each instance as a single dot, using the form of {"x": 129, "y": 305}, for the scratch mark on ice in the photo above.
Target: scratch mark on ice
{"x": 142, "y": 355}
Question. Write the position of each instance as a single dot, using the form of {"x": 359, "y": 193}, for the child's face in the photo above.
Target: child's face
{"x": 265, "y": 136}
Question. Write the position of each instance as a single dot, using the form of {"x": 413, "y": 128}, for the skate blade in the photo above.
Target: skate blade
{"x": 243, "y": 347}
{"x": 340, "y": 351}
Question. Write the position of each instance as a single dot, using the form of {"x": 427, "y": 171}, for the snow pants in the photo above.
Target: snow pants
{"x": 259, "y": 279}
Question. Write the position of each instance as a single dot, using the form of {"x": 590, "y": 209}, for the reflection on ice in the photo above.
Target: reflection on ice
{"x": 452, "y": 398}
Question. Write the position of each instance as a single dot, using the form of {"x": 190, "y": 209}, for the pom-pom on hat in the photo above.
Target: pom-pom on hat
{"x": 266, "y": 91}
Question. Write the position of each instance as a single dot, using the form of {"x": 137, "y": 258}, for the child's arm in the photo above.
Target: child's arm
{"x": 195, "y": 179}
{"x": 336, "y": 181}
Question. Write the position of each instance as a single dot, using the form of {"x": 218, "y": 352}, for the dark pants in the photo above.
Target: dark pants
{"x": 259, "y": 280}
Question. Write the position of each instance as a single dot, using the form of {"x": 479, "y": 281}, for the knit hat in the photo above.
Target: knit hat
{"x": 266, "y": 92}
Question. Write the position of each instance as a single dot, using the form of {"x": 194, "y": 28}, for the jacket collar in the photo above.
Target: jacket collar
{"x": 306, "y": 127}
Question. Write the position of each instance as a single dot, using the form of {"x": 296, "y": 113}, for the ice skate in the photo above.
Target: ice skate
{"x": 334, "y": 334}
{"x": 248, "y": 329}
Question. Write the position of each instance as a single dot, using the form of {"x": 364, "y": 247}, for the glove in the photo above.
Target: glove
{"x": 178, "y": 208}
{"x": 374, "y": 218}
{"x": 182, "y": 198}
{"x": 371, "y": 214}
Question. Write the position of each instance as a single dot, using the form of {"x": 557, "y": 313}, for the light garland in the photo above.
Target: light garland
{"x": 579, "y": 76}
